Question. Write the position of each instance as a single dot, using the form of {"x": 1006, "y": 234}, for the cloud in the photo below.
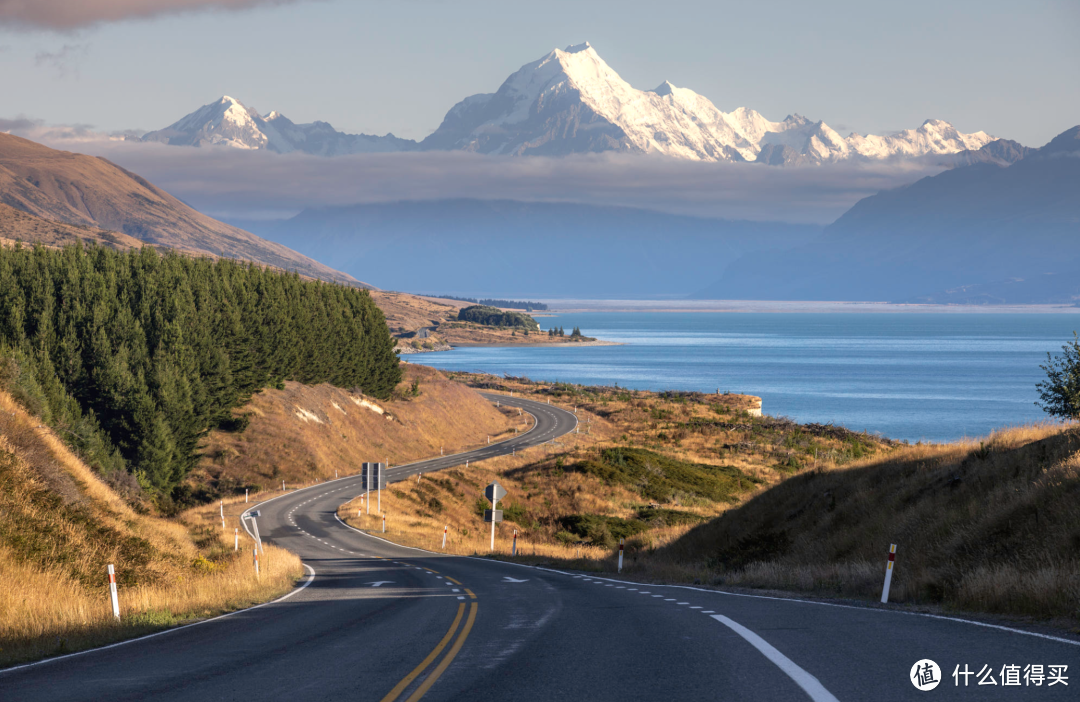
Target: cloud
{"x": 65, "y": 61}
{"x": 66, "y": 15}
{"x": 19, "y": 124}
{"x": 241, "y": 184}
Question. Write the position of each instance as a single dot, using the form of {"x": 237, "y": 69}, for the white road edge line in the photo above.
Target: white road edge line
{"x": 810, "y": 685}
{"x": 310, "y": 578}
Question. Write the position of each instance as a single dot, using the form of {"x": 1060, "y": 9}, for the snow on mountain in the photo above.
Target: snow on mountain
{"x": 227, "y": 122}
{"x": 571, "y": 101}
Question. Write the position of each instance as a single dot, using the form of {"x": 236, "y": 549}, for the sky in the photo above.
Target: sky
{"x": 1008, "y": 68}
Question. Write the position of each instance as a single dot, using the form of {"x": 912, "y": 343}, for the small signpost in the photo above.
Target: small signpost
{"x": 255, "y": 525}
{"x": 494, "y": 493}
{"x": 373, "y": 477}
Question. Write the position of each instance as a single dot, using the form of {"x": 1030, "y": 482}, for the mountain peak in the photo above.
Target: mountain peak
{"x": 665, "y": 88}
{"x": 1066, "y": 142}
{"x": 578, "y": 48}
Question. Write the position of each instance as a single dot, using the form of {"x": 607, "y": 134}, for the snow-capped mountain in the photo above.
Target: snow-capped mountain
{"x": 571, "y": 101}
{"x": 227, "y": 122}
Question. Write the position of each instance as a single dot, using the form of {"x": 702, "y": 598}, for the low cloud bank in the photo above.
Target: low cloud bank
{"x": 71, "y": 14}
{"x": 233, "y": 183}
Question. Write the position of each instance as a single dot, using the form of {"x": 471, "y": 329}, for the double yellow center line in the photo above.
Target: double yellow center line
{"x": 447, "y": 659}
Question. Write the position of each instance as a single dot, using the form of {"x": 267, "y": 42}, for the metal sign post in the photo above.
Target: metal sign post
{"x": 255, "y": 525}
{"x": 373, "y": 477}
{"x": 494, "y": 493}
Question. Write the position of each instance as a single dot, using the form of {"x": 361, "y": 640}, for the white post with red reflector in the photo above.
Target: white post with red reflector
{"x": 888, "y": 573}
{"x": 445, "y": 527}
{"x": 384, "y": 524}
{"x": 622, "y": 542}
{"x": 513, "y": 548}
{"x": 255, "y": 554}
{"x": 236, "y": 539}
{"x": 112, "y": 593}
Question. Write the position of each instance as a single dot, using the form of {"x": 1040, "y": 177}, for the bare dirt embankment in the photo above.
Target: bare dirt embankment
{"x": 61, "y": 526}
{"x": 303, "y": 434}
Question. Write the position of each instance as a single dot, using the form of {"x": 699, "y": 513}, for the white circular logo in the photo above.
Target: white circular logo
{"x": 925, "y": 675}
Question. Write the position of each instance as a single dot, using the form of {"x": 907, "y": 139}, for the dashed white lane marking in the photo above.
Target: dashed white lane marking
{"x": 682, "y": 603}
{"x": 695, "y": 608}
{"x": 810, "y": 685}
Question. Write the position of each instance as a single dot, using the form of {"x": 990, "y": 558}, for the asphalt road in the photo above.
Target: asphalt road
{"x": 378, "y": 621}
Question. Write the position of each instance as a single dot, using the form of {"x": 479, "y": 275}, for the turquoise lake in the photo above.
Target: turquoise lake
{"x": 914, "y": 376}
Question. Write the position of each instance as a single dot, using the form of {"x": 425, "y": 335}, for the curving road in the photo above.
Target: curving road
{"x": 378, "y": 621}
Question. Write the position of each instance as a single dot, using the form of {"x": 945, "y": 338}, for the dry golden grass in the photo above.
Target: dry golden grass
{"x": 60, "y": 526}
{"x": 989, "y": 525}
{"x": 304, "y": 434}
{"x": 543, "y": 493}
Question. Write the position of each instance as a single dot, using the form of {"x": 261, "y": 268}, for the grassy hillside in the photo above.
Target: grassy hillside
{"x": 990, "y": 526}
{"x": 303, "y": 433}
{"x": 19, "y": 226}
{"x": 85, "y": 191}
{"x": 645, "y": 467}
{"x": 60, "y": 526}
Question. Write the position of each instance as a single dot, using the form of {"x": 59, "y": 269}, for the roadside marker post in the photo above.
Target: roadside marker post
{"x": 384, "y": 524}
{"x": 494, "y": 492}
{"x": 888, "y": 574}
{"x": 513, "y": 548}
{"x": 236, "y": 539}
{"x": 445, "y": 527}
{"x": 255, "y": 556}
{"x": 283, "y": 486}
{"x": 255, "y": 527}
{"x": 622, "y": 543}
{"x": 245, "y": 494}
{"x": 112, "y": 593}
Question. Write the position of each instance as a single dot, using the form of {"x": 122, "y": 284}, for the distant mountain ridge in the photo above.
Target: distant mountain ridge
{"x": 492, "y": 248}
{"x": 985, "y": 233}
{"x": 228, "y": 122}
{"x": 570, "y": 102}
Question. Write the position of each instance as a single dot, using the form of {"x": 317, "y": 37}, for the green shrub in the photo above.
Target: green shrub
{"x": 494, "y": 317}
{"x": 661, "y": 478}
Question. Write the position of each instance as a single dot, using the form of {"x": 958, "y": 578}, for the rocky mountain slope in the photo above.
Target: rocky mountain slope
{"x": 84, "y": 191}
